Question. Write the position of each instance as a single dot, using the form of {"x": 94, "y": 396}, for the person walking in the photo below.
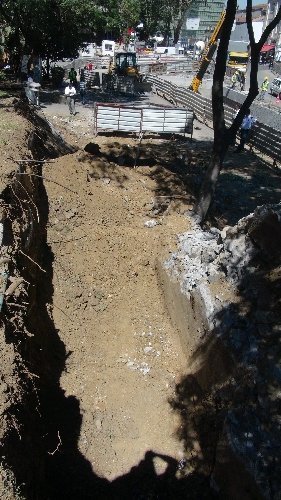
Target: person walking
{"x": 247, "y": 123}
{"x": 264, "y": 89}
{"x": 70, "y": 93}
{"x": 82, "y": 88}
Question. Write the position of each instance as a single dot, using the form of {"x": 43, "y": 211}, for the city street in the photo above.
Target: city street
{"x": 185, "y": 80}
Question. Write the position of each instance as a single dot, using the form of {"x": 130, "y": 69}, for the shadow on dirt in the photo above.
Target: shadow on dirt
{"x": 97, "y": 95}
{"x": 229, "y": 405}
{"x": 178, "y": 165}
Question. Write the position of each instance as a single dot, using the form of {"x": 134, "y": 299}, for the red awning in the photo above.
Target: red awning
{"x": 267, "y": 48}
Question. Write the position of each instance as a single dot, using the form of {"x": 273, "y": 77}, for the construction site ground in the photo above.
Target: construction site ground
{"x": 109, "y": 224}
{"x": 125, "y": 355}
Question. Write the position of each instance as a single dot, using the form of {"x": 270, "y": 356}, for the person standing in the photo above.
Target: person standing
{"x": 70, "y": 93}
{"x": 234, "y": 80}
{"x": 242, "y": 81}
{"x": 247, "y": 123}
{"x": 82, "y": 88}
{"x": 264, "y": 89}
{"x": 24, "y": 67}
{"x": 72, "y": 75}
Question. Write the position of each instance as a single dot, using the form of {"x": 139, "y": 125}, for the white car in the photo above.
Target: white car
{"x": 275, "y": 87}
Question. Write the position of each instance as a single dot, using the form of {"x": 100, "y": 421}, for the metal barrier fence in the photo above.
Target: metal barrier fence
{"x": 264, "y": 138}
{"x": 162, "y": 67}
{"x": 155, "y": 119}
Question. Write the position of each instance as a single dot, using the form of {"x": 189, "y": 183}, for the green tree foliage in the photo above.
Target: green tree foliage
{"x": 166, "y": 16}
{"x": 57, "y": 28}
{"x": 117, "y": 17}
{"x": 52, "y": 28}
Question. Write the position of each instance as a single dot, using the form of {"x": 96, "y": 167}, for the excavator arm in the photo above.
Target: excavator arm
{"x": 207, "y": 54}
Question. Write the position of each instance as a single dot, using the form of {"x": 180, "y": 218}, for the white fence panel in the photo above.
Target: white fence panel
{"x": 152, "y": 119}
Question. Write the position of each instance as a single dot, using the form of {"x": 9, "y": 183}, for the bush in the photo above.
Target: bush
{"x": 3, "y": 76}
{"x": 57, "y": 73}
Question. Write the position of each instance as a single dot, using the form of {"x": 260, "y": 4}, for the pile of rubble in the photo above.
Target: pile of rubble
{"x": 236, "y": 273}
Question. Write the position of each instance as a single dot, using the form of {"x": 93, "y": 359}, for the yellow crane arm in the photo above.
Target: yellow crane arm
{"x": 208, "y": 54}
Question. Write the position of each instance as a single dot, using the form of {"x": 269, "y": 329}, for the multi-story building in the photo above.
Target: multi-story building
{"x": 272, "y": 9}
{"x": 258, "y": 13}
{"x": 275, "y": 36}
{"x": 200, "y": 20}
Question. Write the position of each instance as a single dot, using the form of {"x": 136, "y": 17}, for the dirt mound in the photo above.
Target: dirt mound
{"x": 232, "y": 278}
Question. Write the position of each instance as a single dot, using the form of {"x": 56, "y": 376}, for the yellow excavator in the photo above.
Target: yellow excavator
{"x": 123, "y": 74}
{"x": 207, "y": 54}
{"x": 124, "y": 64}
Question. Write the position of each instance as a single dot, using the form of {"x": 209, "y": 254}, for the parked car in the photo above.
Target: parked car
{"x": 275, "y": 87}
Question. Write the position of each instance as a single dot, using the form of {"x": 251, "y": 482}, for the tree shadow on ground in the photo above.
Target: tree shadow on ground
{"x": 230, "y": 401}
{"x": 93, "y": 96}
{"x": 246, "y": 182}
{"x": 177, "y": 165}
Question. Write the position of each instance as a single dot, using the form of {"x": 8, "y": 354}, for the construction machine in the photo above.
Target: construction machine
{"x": 124, "y": 64}
{"x": 123, "y": 74}
{"x": 207, "y": 54}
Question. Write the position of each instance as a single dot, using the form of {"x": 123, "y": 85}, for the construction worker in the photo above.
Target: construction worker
{"x": 246, "y": 126}
{"x": 72, "y": 75}
{"x": 264, "y": 89}
{"x": 242, "y": 81}
{"x": 234, "y": 79}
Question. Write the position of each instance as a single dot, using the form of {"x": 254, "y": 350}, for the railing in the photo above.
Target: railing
{"x": 264, "y": 138}
{"x": 155, "y": 119}
{"x": 162, "y": 67}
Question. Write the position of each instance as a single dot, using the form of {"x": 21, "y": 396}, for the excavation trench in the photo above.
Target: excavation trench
{"x": 111, "y": 405}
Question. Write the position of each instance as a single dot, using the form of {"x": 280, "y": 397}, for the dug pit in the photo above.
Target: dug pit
{"x": 120, "y": 387}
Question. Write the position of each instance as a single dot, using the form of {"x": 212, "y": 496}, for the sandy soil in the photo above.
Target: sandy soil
{"x": 124, "y": 354}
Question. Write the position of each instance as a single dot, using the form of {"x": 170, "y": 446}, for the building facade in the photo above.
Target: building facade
{"x": 275, "y": 36}
{"x": 258, "y": 13}
{"x": 200, "y": 20}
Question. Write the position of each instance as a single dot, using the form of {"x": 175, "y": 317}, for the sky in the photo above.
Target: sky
{"x": 242, "y": 3}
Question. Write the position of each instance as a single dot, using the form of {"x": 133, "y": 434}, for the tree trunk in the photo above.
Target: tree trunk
{"x": 48, "y": 67}
{"x": 208, "y": 187}
{"x": 224, "y": 137}
{"x": 221, "y": 135}
{"x": 177, "y": 30}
